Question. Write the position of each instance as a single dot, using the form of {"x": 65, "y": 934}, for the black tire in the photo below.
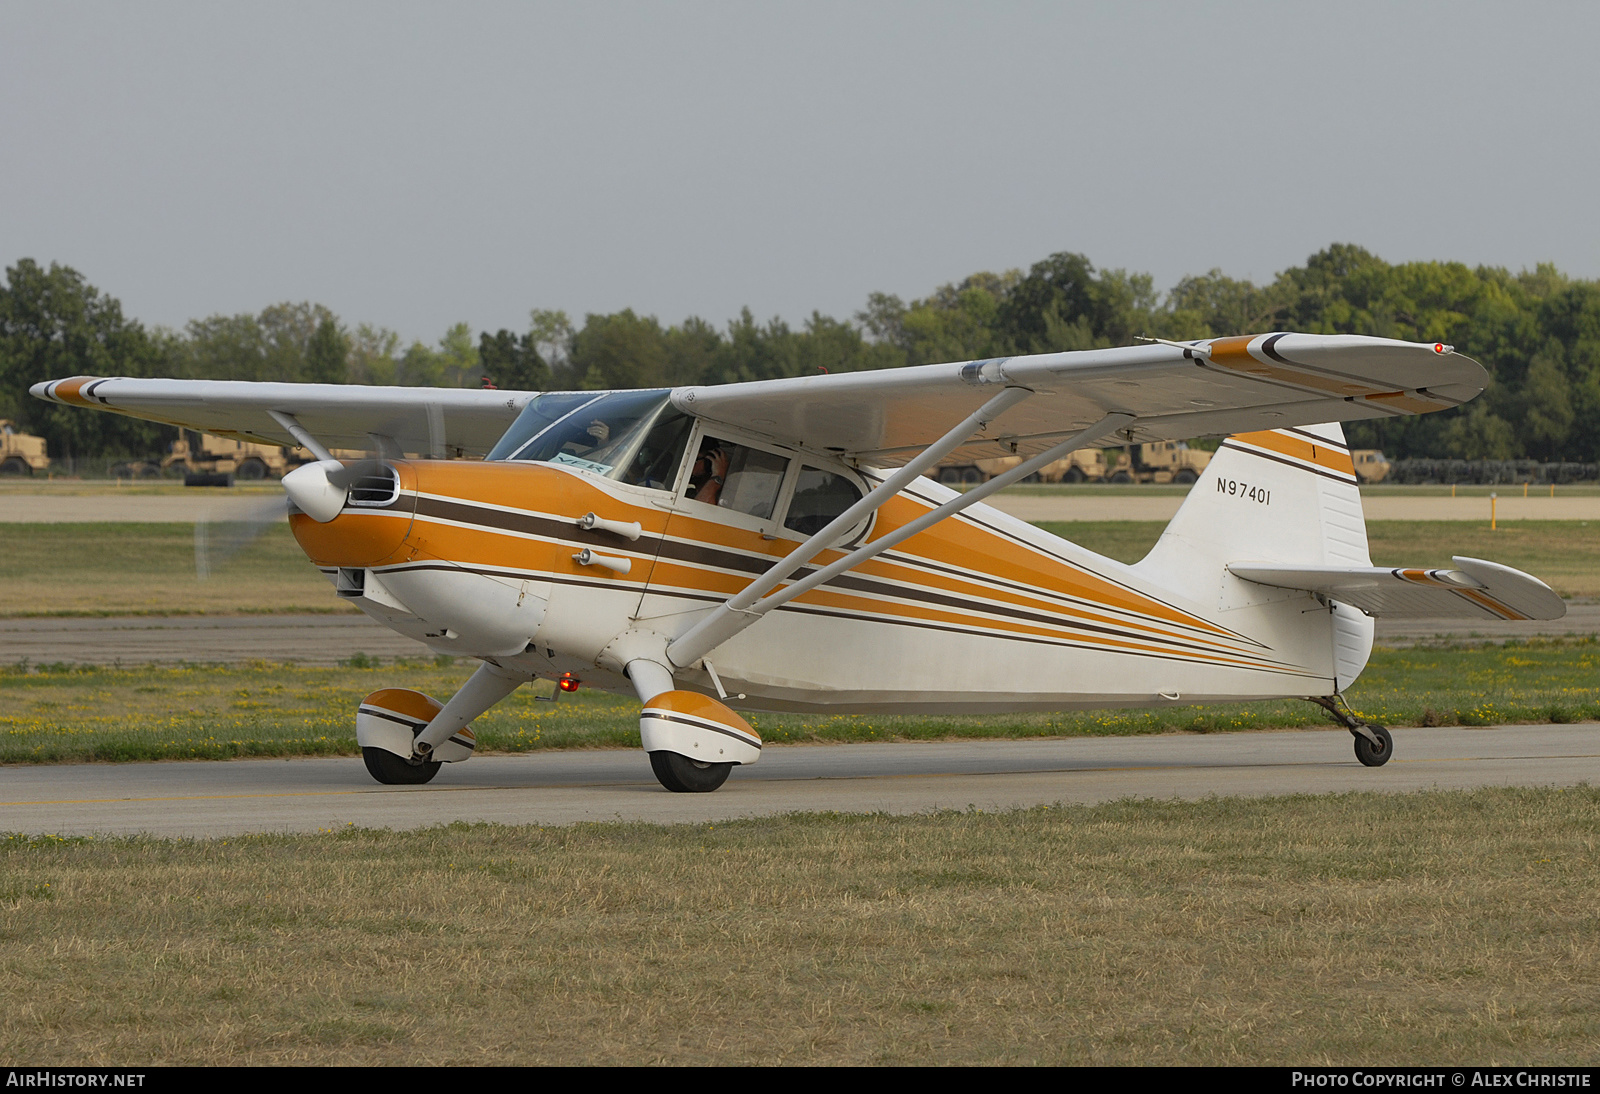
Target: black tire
{"x": 971, "y": 476}
{"x": 1186, "y": 477}
{"x": 1073, "y": 475}
{"x": 950, "y": 476}
{"x": 16, "y": 465}
{"x": 252, "y": 470}
{"x": 682, "y": 775}
{"x": 1372, "y": 755}
{"x": 122, "y": 470}
{"x": 1121, "y": 478}
{"x": 392, "y": 770}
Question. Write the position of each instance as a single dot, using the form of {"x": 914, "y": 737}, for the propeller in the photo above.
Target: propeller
{"x": 318, "y": 489}
{"x": 215, "y": 542}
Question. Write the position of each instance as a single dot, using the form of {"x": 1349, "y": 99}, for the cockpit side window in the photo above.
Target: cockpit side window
{"x": 734, "y": 476}
{"x": 656, "y": 462}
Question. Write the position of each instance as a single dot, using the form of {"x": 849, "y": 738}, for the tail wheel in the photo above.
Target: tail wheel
{"x": 682, "y": 775}
{"x": 1374, "y": 755}
{"x": 392, "y": 770}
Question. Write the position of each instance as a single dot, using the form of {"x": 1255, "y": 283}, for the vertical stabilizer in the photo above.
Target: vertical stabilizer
{"x": 1283, "y": 496}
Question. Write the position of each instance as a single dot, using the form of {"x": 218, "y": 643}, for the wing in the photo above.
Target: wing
{"x": 1477, "y": 590}
{"x": 1175, "y": 391}
{"x": 430, "y": 420}
{"x": 1226, "y": 385}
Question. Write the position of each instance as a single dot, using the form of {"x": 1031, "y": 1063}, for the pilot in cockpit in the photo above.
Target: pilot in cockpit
{"x": 709, "y": 473}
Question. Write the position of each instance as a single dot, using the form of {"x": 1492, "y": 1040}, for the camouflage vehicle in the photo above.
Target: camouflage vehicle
{"x": 1370, "y": 464}
{"x": 1160, "y": 462}
{"x": 20, "y": 453}
{"x": 1084, "y": 465}
{"x": 224, "y": 456}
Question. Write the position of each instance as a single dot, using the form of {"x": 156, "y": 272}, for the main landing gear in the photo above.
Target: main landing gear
{"x": 1374, "y": 745}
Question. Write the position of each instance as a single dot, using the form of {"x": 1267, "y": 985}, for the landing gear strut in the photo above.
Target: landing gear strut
{"x": 1374, "y": 746}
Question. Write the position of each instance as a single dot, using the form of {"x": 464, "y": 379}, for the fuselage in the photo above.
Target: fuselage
{"x": 981, "y": 612}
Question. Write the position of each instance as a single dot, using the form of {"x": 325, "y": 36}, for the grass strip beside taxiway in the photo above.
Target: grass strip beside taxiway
{"x": 57, "y": 713}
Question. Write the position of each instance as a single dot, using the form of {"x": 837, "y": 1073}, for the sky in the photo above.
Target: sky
{"x": 416, "y": 165}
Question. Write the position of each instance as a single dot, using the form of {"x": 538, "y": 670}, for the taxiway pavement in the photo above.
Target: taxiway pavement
{"x": 221, "y": 798}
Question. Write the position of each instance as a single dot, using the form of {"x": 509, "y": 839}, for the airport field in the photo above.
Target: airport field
{"x": 117, "y": 569}
{"x": 1440, "y": 927}
{"x": 1426, "y": 927}
{"x": 64, "y": 713}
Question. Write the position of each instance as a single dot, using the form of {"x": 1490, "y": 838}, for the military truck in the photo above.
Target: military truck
{"x": 1084, "y": 465}
{"x": 207, "y": 460}
{"x": 224, "y": 456}
{"x": 20, "y": 453}
{"x": 1160, "y": 462}
{"x": 1370, "y": 464}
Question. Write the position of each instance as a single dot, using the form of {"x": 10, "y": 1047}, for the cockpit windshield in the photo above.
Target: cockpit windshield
{"x": 636, "y": 437}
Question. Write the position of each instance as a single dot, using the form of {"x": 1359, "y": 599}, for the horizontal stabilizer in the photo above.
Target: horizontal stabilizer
{"x": 1475, "y": 590}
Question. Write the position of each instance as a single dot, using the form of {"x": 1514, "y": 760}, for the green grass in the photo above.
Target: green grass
{"x": 1437, "y": 928}
{"x": 149, "y": 569}
{"x": 1564, "y": 554}
{"x": 59, "y": 713}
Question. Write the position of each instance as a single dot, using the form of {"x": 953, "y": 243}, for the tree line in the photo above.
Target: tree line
{"x": 1537, "y": 332}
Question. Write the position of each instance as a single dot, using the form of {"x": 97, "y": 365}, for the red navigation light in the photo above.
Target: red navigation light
{"x": 568, "y": 682}
{"x": 1438, "y": 347}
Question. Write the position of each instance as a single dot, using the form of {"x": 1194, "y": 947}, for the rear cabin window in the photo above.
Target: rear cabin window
{"x": 819, "y": 497}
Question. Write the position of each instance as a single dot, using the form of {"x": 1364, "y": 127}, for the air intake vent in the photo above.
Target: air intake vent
{"x": 376, "y": 491}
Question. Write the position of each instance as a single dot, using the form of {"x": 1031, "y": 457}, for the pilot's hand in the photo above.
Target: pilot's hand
{"x": 600, "y": 431}
{"x": 719, "y": 463}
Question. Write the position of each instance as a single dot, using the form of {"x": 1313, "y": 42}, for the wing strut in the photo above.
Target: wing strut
{"x": 298, "y": 432}
{"x": 733, "y": 616}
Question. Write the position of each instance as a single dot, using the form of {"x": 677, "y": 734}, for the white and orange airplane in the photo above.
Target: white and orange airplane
{"x": 773, "y": 545}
